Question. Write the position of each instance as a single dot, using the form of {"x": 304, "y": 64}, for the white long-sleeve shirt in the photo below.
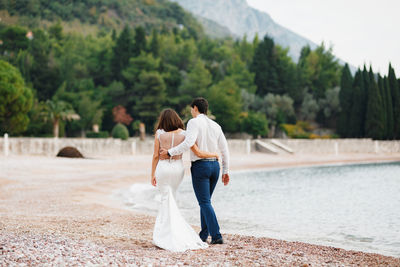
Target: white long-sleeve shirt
{"x": 208, "y": 136}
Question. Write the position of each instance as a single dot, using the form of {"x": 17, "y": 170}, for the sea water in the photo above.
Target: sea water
{"x": 350, "y": 206}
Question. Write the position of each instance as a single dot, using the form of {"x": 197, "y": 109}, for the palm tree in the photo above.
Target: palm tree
{"x": 59, "y": 110}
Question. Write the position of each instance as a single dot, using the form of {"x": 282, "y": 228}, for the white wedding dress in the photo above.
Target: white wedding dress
{"x": 171, "y": 231}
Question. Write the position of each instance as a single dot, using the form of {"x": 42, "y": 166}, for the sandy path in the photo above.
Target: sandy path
{"x": 60, "y": 212}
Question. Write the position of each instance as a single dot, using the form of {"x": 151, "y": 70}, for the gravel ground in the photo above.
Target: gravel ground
{"x": 58, "y": 212}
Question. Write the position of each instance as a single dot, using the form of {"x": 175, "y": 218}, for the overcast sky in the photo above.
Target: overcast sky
{"x": 360, "y": 31}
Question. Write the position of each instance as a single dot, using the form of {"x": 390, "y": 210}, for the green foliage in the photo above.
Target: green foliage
{"x": 58, "y": 111}
{"x": 101, "y": 134}
{"x": 140, "y": 41}
{"x": 345, "y": 97}
{"x": 194, "y": 84}
{"x": 166, "y": 61}
{"x": 374, "y": 122}
{"x": 299, "y": 130}
{"x": 279, "y": 109}
{"x": 254, "y": 123}
{"x": 389, "y": 109}
{"x": 395, "y": 91}
{"x": 120, "y": 131}
{"x": 224, "y": 99}
{"x": 150, "y": 93}
{"x": 356, "y": 115}
{"x": 122, "y": 52}
{"x": 14, "y": 39}
{"x": 16, "y": 100}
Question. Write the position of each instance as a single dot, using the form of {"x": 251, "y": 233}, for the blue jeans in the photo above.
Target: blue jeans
{"x": 205, "y": 176}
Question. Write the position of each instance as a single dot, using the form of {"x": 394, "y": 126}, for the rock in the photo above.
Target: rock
{"x": 69, "y": 152}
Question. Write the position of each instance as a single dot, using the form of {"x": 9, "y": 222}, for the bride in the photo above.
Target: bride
{"x": 171, "y": 231}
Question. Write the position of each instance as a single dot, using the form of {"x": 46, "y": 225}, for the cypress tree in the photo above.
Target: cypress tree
{"x": 356, "y": 114}
{"x": 374, "y": 127}
{"x": 394, "y": 89}
{"x": 389, "y": 110}
{"x": 382, "y": 94}
{"x": 364, "y": 98}
{"x": 346, "y": 101}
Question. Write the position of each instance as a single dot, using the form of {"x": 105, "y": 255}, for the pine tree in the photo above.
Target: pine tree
{"x": 374, "y": 126}
{"x": 356, "y": 114}
{"x": 151, "y": 96}
{"x": 345, "y": 97}
{"x": 389, "y": 110}
{"x": 394, "y": 89}
{"x": 140, "y": 41}
{"x": 266, "y": 77}
{"x": 122, "y": 52}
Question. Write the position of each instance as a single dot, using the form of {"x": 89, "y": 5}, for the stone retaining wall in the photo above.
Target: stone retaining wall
{"x": 109, "y": 146}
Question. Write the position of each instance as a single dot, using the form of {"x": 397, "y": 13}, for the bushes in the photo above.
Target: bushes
{"x": 255, "y": 124}
{"x": 303, "y": 130}
{"x": 120, "y": 131}
{"x": 102, "y": 134}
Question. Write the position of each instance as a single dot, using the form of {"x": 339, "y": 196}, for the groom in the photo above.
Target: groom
{"x": 208, "y": 136}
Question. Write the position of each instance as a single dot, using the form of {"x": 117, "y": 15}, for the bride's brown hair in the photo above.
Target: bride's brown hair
{"x": 169, "y": 120}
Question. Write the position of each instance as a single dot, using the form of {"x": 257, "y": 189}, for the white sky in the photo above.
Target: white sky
{"x": 360, "y": 31}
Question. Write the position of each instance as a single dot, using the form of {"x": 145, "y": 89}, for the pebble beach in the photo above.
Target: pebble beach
{"x": 60, "y": 212}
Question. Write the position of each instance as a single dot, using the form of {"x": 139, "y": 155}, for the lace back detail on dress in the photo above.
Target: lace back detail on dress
{"x": 169, "y": 140}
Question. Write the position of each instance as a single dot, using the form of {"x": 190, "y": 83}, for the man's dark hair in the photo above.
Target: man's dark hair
{"x": 201, "y": 104}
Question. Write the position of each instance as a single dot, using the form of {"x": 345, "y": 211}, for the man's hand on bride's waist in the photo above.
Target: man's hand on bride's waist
{"x": 164, "y": 154}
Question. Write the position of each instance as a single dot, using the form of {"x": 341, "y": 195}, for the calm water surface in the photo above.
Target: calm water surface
{"x": 351, "y": 206}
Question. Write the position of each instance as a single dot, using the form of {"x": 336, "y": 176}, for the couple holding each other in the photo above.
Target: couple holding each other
{"x": 204, "y": 137}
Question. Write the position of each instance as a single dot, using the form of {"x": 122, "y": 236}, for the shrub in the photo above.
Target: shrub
{"x": 101, "y": 134}
{"x": 298, "y": 130}
{"x": 120, "y": 131}
{"x": 255, "y": 124}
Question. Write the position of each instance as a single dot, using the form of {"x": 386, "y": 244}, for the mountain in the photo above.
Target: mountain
{"x": 90, "y": 16}
{"x": 241, "y": 19}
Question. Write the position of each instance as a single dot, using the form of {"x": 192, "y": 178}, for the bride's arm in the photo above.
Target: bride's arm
{"x": 156, "y": 157}
{"x": 203, "y": 154}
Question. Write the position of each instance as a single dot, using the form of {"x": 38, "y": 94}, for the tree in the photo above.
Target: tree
{"x": 120, "y": 115}
{"x": 394, "y": 89}
{"x": 389, "y": 110}
{"x": 266, "y": 77}
{"x": 194, "y": 84}
{"x": 150, "y": 95}
{"x": 122, "y": 52}
{"x": 345, "y": 98}
{"x": 225, "y": 102}
{"x": 382, "y": 93}
{"x": 57, "y": 111}
{"x": 279, "y": 109}
{"x": 89, "y": 111}
{"x": 356, "y": 114}
{"x": 254, "y": 123}
{"x": 16, "y": 100}
{"x": 155, "y": 44}
{"x": 45, "y": 73}
{"x": 14, "y": 38}
{"x": 140, "y": 41}
{"x": 374, "y": 123}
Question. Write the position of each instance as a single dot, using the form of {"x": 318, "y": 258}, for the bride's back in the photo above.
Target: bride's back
{"x": 166, "y": 139}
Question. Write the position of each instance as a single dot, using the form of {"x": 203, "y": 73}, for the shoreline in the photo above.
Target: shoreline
{"x": 59, "y": 211}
